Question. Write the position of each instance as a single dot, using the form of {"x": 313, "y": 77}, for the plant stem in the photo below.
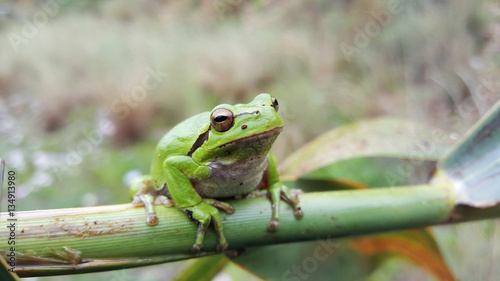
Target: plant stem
{"x": 109, "y": 237}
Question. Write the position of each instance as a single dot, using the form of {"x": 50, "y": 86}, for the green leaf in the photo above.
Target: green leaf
{"x": 345, "y": 259}
{"x": 202, "y": 269}
{"x": 373, "y": 172}
{"x": 473, "y": 166}
{"x": 417, "y": 246}
{"x": 390, "y": 138}
{"x": 5, "y": 275}
{"x": 324, "y": 259}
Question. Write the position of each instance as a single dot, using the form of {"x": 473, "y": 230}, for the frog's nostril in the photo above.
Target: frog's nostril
{"x": 244, "y": 127}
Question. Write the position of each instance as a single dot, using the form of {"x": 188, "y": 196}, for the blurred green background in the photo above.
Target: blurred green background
{"x": 87, "y": 88}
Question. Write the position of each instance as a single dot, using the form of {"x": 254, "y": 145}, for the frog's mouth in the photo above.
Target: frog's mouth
{"x": 256, "y": 139}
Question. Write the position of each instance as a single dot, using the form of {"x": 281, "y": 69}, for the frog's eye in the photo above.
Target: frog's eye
{"x": 275, "y": 104}
{"x": 222, "y": 119}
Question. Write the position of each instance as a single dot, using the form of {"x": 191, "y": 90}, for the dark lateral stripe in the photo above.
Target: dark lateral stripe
{"x": 199, "y": 141}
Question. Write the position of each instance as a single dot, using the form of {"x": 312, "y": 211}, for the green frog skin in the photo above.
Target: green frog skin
{"x": 214, "y": 155}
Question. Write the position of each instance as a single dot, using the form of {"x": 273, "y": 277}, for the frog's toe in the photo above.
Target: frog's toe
{"x": 197, "y": 248}
{"x": 274, "y": 225}
{"x": 152, "y": 219}
{"x": 290, "y": 199}
{"x": 298, "y": 213}
{"x": 230, "y": 210}
{"x": 221, "y": 205}
{"x": 222, "y": 247}
{"x": 163, "y": 200}
{"x": 295, "y": 199}
{"x": 137, "y": 201}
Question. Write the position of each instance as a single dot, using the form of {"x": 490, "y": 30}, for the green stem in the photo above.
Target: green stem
{"x": 109, "y": 237}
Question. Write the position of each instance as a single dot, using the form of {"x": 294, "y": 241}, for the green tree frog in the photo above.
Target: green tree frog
{"x": 213, "y": 155}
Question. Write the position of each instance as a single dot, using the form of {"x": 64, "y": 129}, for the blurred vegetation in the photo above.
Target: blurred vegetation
{"x": 76, "y": 115}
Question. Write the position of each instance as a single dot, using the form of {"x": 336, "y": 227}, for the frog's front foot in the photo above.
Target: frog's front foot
{"x": 146, "y": 200}
{"x": 279, "y": 192}
{"x": 204, "y": 213}
{"x": 144, "y": 195}
{"x": 149, "y": 201}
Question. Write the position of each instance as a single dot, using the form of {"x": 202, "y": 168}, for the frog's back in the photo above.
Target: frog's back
{"x": 179, "y": 140}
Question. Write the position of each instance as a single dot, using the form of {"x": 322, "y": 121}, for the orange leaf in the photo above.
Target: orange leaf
{"x": 416, "y": 245}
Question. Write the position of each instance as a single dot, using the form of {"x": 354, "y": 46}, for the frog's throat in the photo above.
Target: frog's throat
{"x": 252, "y": 138}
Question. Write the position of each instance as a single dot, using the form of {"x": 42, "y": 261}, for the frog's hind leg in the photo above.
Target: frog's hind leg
{"x": 277, "y": 192}
{"x": 221, "y": 205}
{"x": 292, "y": 200}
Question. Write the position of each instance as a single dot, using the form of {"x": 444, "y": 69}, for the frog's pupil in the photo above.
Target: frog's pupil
{"x": 220, "y": 118}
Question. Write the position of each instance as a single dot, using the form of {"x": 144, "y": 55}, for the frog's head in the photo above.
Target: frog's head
{"x": 243, "y": 129}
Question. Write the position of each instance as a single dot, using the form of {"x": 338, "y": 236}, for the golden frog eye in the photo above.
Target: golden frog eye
{"x": 275, "y": 104}
{"x": 222, "y": 119}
